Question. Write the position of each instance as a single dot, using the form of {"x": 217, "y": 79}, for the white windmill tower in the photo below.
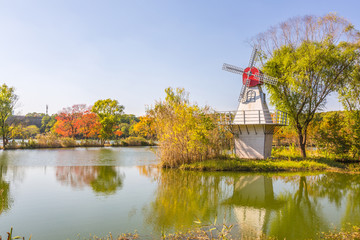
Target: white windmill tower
{"x": 252, "y": 124}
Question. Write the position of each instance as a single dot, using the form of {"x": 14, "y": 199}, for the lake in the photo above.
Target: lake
{"x": 67, "y": 193}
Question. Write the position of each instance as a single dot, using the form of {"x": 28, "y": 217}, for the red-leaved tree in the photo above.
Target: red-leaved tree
{"x": 88, "y": 124}
{"x": 66, "y": 121}
{"x": 77, "y": 121}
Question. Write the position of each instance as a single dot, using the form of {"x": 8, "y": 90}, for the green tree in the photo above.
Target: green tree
{"x": 331, "y": 134}
{"x": 126, "y": 125}
{"x": 312, "y": 57}
{"x": 349, "y": 94}
{"x": 31, "y": 131}
{"x": 8, "y": 100}
{"x": 109, "y": 112}
{"x": 47, "y": 123}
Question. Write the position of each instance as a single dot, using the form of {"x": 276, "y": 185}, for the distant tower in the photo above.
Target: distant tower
{"x": 47, "y": 108}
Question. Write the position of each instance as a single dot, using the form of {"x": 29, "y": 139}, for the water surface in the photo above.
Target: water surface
{"x": 60, "y": 193}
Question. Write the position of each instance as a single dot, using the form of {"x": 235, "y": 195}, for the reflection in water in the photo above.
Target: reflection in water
{"x": 294, "y": 212}
{"x": 102, "y": 179}
{"x": 4, "y": 192}
{"x": 337, "y": 188}
{"x": 291, "y": 206}
{"x": 183, "y": 197}
{"x": 5, "y": 200}
{"x": 252, "y": 201}
{"x": 302, "y": 216}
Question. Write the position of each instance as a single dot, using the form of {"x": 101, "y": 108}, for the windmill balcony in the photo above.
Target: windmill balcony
{"x": 253, "y": 117}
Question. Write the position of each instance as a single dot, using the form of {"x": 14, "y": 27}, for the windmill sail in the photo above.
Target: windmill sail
{"x": 232, "y": 68}
{"x": 243, "y": 89}
{"x": 253, "y": 56}
{"x": 268, "y": 79}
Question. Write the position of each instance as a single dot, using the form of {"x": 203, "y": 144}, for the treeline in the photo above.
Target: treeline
{"x": 335, "y": 133}
{"x": 95, "y": 125}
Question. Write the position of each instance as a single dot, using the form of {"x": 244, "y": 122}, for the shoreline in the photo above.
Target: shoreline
{"x": 272, "y": 166}
{"x": 233, "y": 164}
{"x": 89, "y": 146}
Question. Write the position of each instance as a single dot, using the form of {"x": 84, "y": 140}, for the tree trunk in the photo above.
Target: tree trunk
{"x": 3, "y": 134}
{"x": 4, "y": 143}
{"x": 302, "y": 144}
{"x": 303, "y": 150}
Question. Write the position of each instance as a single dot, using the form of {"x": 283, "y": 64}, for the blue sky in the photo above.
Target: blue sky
{"x": 69, "y": 52}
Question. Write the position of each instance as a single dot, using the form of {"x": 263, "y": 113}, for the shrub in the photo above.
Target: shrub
{"x": 90, "y": 143}
{"x": 67, "y": 142}
{"x": 47, "y": 140}
{"x": 135, "y": 141}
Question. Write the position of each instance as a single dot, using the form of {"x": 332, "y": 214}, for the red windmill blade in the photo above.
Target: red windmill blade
{"x": 251, "y": 75}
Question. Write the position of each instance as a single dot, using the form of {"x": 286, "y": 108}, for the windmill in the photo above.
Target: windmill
{"x": 252, "y": 124}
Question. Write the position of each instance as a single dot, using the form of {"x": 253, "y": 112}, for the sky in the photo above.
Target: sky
{"x": 66, "y": 52}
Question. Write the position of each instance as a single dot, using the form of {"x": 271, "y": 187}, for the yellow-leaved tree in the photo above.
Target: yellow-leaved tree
{"x": 185, "y": 132}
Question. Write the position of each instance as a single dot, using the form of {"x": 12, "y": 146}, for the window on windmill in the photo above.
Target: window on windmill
{"x": 250, "y": 96}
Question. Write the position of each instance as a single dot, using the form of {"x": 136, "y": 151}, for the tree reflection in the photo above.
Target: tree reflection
{"x": 301, "y": 217}
{"x": 337, "y": 187}
{"x": 183, "y": 197}
{"x": 352, "y": 212}
{"x": 296, "y": 210}
{"x": 107, "y": 180}
{"x": 5, "y": 200}
{"x": 102, "y": 179}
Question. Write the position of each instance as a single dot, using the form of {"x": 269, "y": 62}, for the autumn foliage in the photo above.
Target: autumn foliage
{"x": 88, "y": 125}
{"x": 146, "y": 127}
{"x": 185, "y": 132}
{"x": 77, "y": 121}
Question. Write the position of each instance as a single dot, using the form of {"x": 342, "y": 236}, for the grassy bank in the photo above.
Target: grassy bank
{"x": 272, "y": 165}
{"x": 235, "y": 164}
{"x": 283, "y": 159}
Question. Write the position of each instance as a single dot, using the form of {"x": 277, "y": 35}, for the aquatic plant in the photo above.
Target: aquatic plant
{"x": 11, "y": 237}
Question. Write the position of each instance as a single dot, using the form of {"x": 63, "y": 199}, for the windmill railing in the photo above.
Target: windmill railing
{"x": 253, "y": 117}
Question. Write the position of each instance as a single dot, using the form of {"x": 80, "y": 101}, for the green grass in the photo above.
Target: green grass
{"x": 235, "y": 164}
{"x": 283, "y": 160}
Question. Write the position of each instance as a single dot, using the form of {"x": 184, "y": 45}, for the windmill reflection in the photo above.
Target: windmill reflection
{"x": 102, "y": 179}
{"x": 252, "y": 201}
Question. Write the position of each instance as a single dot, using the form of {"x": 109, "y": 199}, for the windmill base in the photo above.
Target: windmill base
{"x": 254, "y": 142}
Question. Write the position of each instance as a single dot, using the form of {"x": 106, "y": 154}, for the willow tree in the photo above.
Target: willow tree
{"x": 312, "y": 57}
